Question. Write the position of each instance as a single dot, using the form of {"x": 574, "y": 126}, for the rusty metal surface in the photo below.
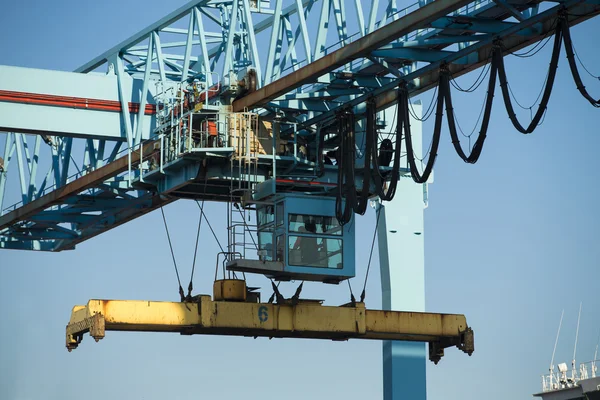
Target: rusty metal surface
{"x": 90, "y": 180}
{"x": 157, "y": 202}
{"x": 352, "y": 51}
{"x": 229, "y": 289}
{"x": 429, "y": 80}
{"x": 237, "y": 318}
{"x": 427, "y": 77}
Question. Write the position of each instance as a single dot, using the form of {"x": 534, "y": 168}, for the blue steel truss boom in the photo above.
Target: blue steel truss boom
{"x": 301, "y": 82}
{"x": 248, "y": 102}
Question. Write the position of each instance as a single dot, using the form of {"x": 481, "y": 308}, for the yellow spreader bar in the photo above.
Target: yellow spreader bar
{"x": 305, "y": 319}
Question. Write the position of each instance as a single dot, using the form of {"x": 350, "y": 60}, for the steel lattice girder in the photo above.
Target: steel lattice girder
{"x": 456, "y": 33}
{"x": 475, "y": 53}
{"x": 90, "y": 205}
{"x": 358, "y": 49}
{"x": 307, "y": 319}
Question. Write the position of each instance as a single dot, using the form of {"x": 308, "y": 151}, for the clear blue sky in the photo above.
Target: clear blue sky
{"x": 509, "y": 242}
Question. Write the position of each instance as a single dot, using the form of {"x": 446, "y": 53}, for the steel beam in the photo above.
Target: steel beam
{"x": 307, "y": 319}
{"x": 425, "y": 78}
{"x": 68, "y": 104}
{"x": 91, "y": 180}
{"x": 428, "y": 77}
{"x": 352, "y": 51}
{"x": 138, "y": 37}
{"x": 400, "y": 234}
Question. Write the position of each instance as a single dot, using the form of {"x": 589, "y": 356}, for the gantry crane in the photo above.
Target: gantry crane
{"x": 246, "y": 102}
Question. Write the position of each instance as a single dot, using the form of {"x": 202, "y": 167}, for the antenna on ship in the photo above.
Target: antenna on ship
{"x": 594, "y": 368}
{"x": 574, "y": 369}
{"x": 554, "y": 351}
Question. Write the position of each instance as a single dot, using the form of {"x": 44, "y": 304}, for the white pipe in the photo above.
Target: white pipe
{"x": 555, "y": 343}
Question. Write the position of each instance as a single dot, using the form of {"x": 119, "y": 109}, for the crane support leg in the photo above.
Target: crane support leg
{"x": 400, "y": 234}
{"x": 306, "y": 319}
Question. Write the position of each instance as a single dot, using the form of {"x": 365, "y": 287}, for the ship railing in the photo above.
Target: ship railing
{"x": 566, "y": 378}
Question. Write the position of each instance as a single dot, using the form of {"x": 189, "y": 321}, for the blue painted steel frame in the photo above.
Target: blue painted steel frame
{"x": 400, "y": 233}
{"x": 150, "y": 55}
{"x": 154, "y": 55}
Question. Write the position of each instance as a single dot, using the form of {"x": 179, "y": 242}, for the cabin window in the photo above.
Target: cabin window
{"x": 314, "y": 251}
{"x": 265, "y": 215}
{"x": 314, "y": 224}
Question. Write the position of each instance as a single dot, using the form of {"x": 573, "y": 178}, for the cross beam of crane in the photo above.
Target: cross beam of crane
{"x": 403, "y": 46}
{"x": 352, "y": 51}
{"x": 306, "y": 319}
{"x": 380, "y": 46}
{"x": 88, "y": 181}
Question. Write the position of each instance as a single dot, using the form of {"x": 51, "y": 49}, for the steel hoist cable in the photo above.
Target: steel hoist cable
{"x": 181, "y": 294}
{"x": 191, "y": 285}
{"x": 202, "y": 213}
{"x": 364, "y": 293}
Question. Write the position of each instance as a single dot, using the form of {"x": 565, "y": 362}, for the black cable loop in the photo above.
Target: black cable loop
{"x": 388, "y": 195}
{"x": 573, "y": 66}
{"x": 543, "y": 118}
{"x": 534, "y": 50}
{"x": 429, "y": 108}
{"x": 340, "y": 208}
{"x": 370, "y": 137}
{"x": 512, "y": 94}
{"x": 346, "y": 192}
{"x": 417, "y": 177}
{"x": 474, "y": 127}
{"x": 478, "y": 146}
{"x": 484, "y": 71}
{"x": 426, "y": 153}
{"x": 373, "y": 137}
{"x": 350, "y": 162}
{"x": 547, "y": 90}
{"x": 582, "y": 64}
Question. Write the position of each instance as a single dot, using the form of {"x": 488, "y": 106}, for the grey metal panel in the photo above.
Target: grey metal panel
{"x": 55, "y": 119}
{"x": 591, "y": 385}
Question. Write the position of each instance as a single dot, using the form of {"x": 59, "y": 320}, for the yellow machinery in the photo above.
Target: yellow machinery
{"x": 236, "y": 311}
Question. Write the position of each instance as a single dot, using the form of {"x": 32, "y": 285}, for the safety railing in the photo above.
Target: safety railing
{"x": 567, "y": 378}
{"x": 81, "y": 172}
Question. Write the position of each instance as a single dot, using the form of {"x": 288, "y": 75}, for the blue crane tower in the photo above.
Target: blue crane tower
{"x": 251, "y": 103}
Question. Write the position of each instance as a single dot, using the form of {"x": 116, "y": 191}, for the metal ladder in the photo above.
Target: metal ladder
{"x": 245, "y": 161}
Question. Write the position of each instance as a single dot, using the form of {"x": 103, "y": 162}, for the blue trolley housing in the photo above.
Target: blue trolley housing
{"x": 299, "y": 238}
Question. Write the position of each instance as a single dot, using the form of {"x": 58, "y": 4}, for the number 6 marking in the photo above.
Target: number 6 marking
{"x": 263, "y": 315}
